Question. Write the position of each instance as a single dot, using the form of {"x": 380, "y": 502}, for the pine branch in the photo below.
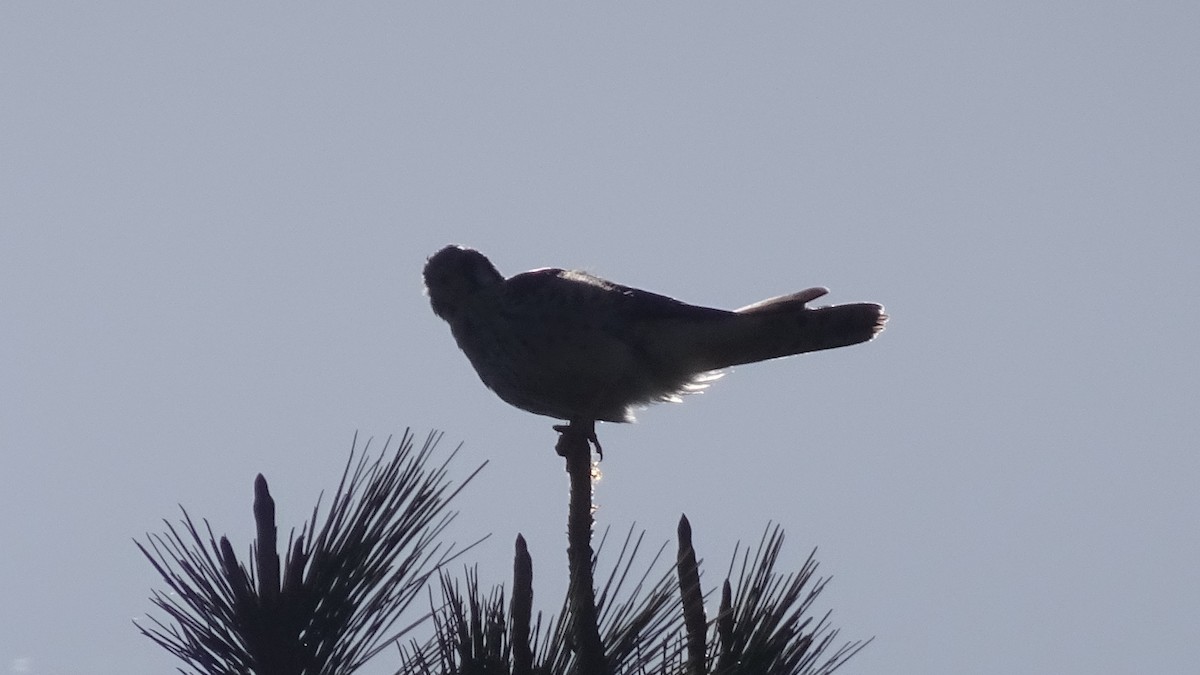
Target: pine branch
{"x": 522, "y": 609}
{"x": 764, "y": 629}
{"x": 336, "y": 602}
{"x": 692, "y": 599}
{"x": 575, "y": 445}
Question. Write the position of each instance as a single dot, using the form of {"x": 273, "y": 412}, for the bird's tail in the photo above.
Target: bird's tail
{"x": 783, "y": 326}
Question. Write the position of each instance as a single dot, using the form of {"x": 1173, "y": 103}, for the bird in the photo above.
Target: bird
{"x": 572, "y": 346}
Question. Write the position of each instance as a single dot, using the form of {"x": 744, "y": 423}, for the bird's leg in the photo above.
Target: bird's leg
{"x": 577, "y": 432}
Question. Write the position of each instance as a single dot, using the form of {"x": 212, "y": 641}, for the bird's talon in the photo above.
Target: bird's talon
{"x": 596, "y": 442}
{"x": 572, "y": 433}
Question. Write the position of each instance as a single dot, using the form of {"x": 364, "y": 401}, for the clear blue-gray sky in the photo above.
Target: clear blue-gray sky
{"x": 214, "y": 216}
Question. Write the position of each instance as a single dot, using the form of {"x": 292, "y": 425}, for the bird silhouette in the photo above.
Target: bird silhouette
{"x": 575, "y": 347}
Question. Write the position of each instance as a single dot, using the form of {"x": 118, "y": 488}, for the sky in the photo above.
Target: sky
{"x": 214, "y": 218}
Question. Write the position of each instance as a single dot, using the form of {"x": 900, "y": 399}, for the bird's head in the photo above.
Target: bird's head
{"x": 453, "y": 275}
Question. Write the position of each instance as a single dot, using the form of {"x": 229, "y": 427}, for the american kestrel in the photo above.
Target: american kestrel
{"x": 575, "y": 347}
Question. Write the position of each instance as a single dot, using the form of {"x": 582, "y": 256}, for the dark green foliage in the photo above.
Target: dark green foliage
{"x": 478, "y": 635}
{"x": 342, "y": 588}
{"x": 761, "y": 629}
{"x": 337, "y": 598}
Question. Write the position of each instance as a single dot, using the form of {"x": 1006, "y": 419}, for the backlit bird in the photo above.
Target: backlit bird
{"x": 572, "y": 346}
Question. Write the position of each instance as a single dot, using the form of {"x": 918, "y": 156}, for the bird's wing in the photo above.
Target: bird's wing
{"x": 579, "y": 292}
{"x": 608, "y": 334}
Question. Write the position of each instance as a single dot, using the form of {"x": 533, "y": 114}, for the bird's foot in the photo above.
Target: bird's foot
{"x": 577, "y": 437}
